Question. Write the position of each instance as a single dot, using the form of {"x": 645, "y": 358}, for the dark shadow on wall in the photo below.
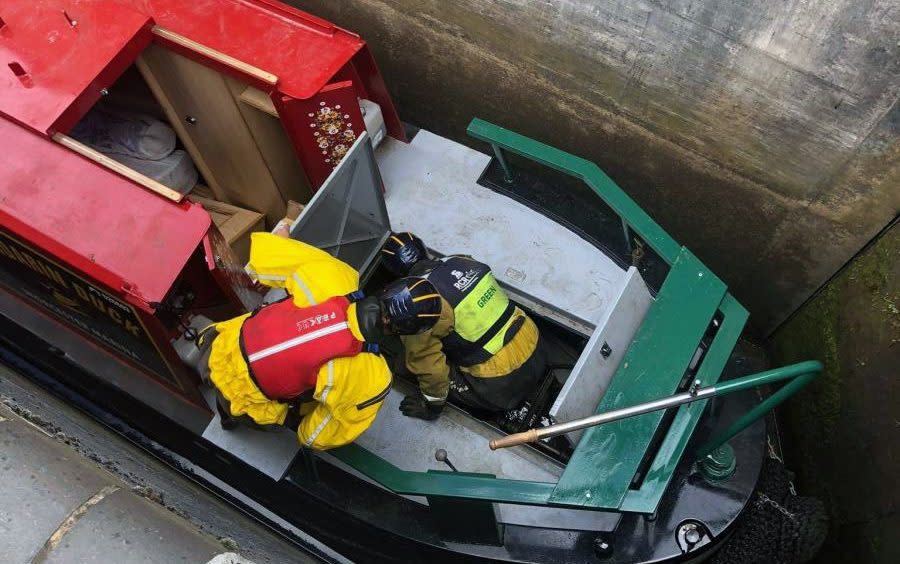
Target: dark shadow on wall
{"x": 843, "y": 433}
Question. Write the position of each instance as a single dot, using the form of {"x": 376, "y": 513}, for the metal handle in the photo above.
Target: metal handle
{"x": 801, "y": 372}
{"x": 533, "y": 435}
{"x": 529, "y": 436}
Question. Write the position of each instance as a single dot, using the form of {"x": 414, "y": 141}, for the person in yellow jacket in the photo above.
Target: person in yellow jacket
{"x": 316, "y": 349}
{"x": 463, "y": 337}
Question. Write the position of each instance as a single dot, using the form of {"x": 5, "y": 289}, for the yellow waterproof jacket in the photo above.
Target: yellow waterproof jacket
{"x": 426, "y": 359}
{"x": 349, "y": 390}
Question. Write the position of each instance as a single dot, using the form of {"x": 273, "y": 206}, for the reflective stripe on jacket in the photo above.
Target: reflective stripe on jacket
{"x": 349, "y": 391}
{"x": 285, "y": 345}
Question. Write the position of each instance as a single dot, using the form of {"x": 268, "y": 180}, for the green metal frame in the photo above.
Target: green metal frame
{"x": 801, "y": 374}
{"x": 459, "y": 485}
{"x": 631, "y": 213}
{"x": 686, "y": 419}
{"x": 600, "y": 472}
{"x": 484, "y": 487}
{"x": 653, "y": 367}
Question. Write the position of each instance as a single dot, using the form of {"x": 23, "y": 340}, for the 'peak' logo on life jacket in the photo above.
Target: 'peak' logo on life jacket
{"x": 310, "y": 322}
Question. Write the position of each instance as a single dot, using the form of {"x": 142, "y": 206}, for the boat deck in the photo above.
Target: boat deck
{"x": 431, "y": 189}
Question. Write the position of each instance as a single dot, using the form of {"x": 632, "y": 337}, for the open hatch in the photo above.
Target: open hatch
{"x": 228, "y": 155}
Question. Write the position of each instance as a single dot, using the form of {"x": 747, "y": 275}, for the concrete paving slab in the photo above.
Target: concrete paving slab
{"x": 130, "y": 470}
{"x": 127, "y": 529}
{"x": 59, "y": 507}
{"x": 42, "y": 483}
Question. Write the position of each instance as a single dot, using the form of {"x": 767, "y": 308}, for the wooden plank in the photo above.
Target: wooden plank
{"x": 274, "y": 144}
{"x": 259, "y": 100}
{"x": 117, "y": 167}
{"x": 217, "y": 56}
{"x": 209, "y": 122}
{"x": 233, "y": 222}
{"x": 175, "y": 120}
{"x": 203, "y": 191}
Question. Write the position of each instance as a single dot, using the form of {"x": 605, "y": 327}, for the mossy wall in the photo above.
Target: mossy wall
{"x": 843, "y": 433}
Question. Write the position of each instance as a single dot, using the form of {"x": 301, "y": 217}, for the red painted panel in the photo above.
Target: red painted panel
{"x": 56, "y": 55}
{"x": 303, "y": 51}
{"x": 88, "y": 216}
{"x": 323, "y": 127}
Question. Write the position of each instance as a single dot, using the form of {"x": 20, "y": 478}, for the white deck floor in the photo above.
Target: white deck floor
{"x": 431, "y": 190}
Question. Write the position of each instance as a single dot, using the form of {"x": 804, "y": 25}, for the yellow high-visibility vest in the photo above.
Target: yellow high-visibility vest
{"x": 483, "y": 312}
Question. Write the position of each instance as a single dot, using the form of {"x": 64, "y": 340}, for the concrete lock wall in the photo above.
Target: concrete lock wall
{"x": 763, "y": 135}
{"x": 842, "y": 434}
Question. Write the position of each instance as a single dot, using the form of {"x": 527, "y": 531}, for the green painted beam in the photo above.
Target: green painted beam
{"x": 440, "y": 484}
{"x": 607, "y": 457}
{"x": 647, "y": 497}
{"x": 636, "y": 218}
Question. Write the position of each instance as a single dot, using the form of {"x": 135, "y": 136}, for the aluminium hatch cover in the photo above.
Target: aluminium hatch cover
{"x": 347, "y": 216}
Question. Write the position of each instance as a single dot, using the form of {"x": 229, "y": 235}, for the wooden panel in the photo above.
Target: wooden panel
{"x": 274, "y": 144}
{"x": 217, "y": 56}
{"x": 233, "y": 222}
{"x": 217, "y": 137}
{"x": 259, "y": 100}
{"x": 131, "y": 91}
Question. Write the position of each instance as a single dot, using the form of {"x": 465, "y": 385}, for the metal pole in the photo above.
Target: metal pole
{"x": 533, "y": 435}
{"x": 802, "y": 373}
{"x": 507, "y": 173}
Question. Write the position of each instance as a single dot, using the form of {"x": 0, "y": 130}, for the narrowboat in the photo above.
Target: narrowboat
{"x": 109, "y": 267}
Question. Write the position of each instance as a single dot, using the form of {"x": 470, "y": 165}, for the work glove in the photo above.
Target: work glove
{"x": 417, "y": 406}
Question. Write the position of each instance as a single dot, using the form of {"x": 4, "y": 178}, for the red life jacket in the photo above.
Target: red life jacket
{"x": 284, "y": 345}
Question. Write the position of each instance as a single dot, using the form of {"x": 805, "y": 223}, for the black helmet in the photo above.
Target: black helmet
{"x": 411, "y": 305}
{"x": 401, "y": 251}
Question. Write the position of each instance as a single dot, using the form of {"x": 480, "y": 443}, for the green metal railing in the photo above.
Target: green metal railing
{"x": 488, "y": 488}
{"x": 800, "y": 374}
{"x": 633, "y": 217}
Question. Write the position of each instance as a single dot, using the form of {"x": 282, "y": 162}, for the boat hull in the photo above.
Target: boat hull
{"x": 358, "y": 519}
